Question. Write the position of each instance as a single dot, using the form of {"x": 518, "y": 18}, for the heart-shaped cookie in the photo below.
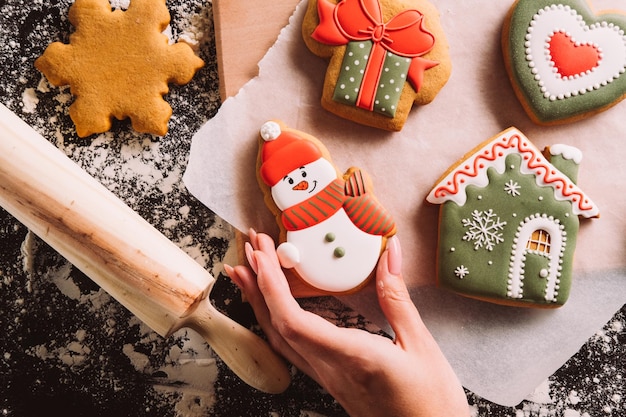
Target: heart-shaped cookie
{"x": 565, "y": 61}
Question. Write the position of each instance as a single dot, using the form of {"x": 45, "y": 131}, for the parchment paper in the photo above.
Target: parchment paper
{"x": 500, "y": 353}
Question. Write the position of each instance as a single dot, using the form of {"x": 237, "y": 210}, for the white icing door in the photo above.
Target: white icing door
{"x": 537, "y": 236}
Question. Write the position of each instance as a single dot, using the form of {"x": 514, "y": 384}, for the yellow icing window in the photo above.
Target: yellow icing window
{"x": 539, "y": 241}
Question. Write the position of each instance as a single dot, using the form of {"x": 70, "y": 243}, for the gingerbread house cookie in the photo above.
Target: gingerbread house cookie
{"x": 509, "y": 218}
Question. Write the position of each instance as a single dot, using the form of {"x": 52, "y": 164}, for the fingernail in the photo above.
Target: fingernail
{"x": 252, "y": 233}
{"x": 250, "y": 256}
{"x": 230, "y": 271}
{"x": 394, "y": 256}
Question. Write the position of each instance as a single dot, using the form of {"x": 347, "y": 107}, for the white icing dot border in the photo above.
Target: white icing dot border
{"x": 608, "y": 38}
{"x": 548, "y": 54}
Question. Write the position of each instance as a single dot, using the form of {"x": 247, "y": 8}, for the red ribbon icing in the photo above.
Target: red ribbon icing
{"x": 362, "y": 20}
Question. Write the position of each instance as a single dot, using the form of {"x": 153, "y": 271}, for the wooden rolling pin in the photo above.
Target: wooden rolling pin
{"x": 121, "y": 252}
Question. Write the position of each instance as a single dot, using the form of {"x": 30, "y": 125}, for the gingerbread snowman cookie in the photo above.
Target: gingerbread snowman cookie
{"x": 333, "y": 229}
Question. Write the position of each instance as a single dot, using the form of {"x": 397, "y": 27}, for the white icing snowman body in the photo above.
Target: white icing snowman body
{"x": 333, "y": 255}
{"x": 321, "y": 266}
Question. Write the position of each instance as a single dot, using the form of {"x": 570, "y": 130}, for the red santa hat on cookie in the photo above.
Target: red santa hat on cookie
{"x": 283, "y": 152}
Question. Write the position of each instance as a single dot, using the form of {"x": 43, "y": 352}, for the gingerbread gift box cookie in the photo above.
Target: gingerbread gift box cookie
{"x": 332, "y": 227}
{"x": 509, "y": 218}
{"x": 565, "y": 61}
{"x": 118, "y": 63}
{"x": 385, "y": 56}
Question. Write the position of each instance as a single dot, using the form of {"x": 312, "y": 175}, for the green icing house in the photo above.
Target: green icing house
{"x": 508, "y": 222}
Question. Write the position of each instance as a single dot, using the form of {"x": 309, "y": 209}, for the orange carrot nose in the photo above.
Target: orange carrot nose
{"x": 302, "y": 185}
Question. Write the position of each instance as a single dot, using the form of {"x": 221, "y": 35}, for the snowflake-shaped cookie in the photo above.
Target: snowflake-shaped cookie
{"x": 118, "y": 64}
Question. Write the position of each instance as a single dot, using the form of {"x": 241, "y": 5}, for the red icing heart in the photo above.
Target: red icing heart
{"x": 570, "y": 58}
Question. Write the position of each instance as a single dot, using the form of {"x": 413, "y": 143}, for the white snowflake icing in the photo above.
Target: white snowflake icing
{"x": 461, "y": 271}
{"x": 512, "y": 188}
{"x": 484, "y": 229}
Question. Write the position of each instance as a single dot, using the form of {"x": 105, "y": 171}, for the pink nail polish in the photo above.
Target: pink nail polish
{"x": 252, "y": 235}
{"x": 250, "y": 256}
{"x": 394, "y": 259}
{"x": 230, "y": 271}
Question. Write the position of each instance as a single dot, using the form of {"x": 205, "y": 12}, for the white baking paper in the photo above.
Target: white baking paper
{"x": 500, "y": 353}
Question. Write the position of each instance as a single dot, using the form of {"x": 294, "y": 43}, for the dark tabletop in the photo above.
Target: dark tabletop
{"x": 68, "y": 348}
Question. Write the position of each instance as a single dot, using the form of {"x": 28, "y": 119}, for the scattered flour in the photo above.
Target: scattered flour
{"x": 573, "y": 398}
{"x": 61, "y": 278}
{"x": 541, "y": 394}
{"x": 119, "y": 4}
{"x": 189, "y": 370}
{"x": 43, "y": 86}
{"x": 29, "y": 100}
{"x": 28, "y": 250}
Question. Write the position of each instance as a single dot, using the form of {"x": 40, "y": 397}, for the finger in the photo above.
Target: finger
{"x": 248, "y": 250}
{"x": 243, "y": 277}
{"x": 274, "y": 287}
{"x": 311, "y": 336}
{"x": 252, "y": 235}
{"x": 234, "y": 277}
{"x": 265, "y": 244}
{"x": 394, "y": 298}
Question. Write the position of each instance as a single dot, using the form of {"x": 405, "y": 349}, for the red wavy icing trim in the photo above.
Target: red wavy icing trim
{"x": 531, "y": 157}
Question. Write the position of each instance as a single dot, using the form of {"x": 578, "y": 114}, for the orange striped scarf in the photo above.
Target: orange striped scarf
{"x": 351, "y": 195}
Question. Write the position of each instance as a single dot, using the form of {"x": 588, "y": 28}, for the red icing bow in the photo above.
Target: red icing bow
{"x": 361, "y": 20}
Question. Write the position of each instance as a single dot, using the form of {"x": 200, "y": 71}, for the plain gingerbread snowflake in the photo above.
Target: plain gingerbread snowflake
{"x": 119, "y": 64}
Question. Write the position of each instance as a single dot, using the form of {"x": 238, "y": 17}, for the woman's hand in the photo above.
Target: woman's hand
{"x": 368, "y": 374}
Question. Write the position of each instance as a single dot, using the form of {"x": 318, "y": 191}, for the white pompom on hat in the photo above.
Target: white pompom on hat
{"x": 284, "y": 151}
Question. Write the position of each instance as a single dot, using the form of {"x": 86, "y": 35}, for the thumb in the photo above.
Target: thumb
{"x": 394, "y": 298}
